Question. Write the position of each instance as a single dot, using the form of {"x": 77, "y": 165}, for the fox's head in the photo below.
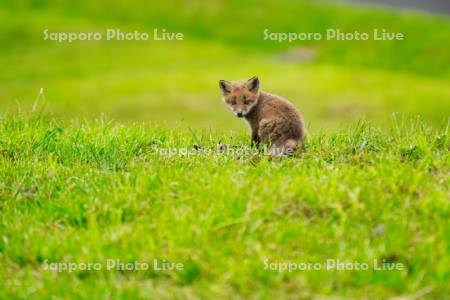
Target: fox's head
{"x": 240, "y": 97}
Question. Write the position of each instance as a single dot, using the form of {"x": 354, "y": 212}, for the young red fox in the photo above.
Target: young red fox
{"x": 273, "y": 120}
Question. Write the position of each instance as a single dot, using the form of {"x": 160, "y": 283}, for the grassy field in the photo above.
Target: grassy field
{"x": 90, "y": 191}
{"x": 117, "y": 158}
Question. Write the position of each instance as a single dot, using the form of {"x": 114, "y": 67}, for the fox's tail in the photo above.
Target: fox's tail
{"x": 292, "y": 147}
{"x": 289, "y": 147}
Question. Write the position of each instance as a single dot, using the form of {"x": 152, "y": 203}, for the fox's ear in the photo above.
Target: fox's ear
{"x": 225, "y": 87}
{"x": 253, "y": 84}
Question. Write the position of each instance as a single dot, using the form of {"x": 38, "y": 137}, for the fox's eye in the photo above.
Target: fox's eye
{"x": 232, "y": 102}
{"x": 247, "y": 102}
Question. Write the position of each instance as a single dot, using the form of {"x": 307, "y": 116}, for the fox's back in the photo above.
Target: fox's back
{"x": 273, "y": 107}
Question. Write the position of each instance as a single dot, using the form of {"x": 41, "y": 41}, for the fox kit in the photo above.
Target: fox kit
{"x": 273, "y": 120}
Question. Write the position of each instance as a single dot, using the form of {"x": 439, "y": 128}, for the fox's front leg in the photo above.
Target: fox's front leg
{"x": 255, "y": 138}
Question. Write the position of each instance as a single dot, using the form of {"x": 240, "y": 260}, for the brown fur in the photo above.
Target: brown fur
{"x": 273, "y": 120}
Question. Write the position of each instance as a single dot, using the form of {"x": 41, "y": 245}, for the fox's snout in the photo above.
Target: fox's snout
{"x": 240, "y": 110}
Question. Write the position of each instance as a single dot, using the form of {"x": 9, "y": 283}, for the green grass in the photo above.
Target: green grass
{"x": 86, "y": 191}
{"x": 84, "y": 178}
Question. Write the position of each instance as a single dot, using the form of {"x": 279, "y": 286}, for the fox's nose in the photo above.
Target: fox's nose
{"x": 239, "y": 114}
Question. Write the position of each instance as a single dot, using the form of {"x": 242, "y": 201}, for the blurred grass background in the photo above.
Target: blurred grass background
{"x": 175, "y": 82}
